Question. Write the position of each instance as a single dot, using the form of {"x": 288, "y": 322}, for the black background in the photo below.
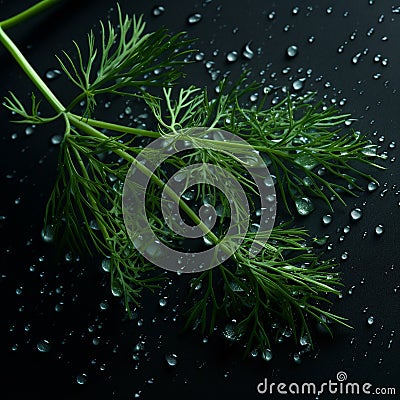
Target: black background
{"x": 28, "y": 168}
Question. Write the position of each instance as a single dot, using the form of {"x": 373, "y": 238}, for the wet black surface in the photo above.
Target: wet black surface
{"x": 214, "y": 369}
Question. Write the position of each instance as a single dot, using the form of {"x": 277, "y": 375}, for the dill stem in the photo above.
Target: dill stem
{"x": 91, "y": 131}
{"x": 30, "y": 71}
{"x": 28, "y": 13}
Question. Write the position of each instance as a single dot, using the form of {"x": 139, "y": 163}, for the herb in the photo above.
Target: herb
{"x": 286, "y": 283}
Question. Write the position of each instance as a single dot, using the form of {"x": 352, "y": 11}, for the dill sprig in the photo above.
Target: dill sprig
{"x": 286, "y": 283}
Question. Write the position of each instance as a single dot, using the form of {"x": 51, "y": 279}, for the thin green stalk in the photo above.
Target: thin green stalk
{"x": 29, "y": 70}
{"x": 28, "y": 13}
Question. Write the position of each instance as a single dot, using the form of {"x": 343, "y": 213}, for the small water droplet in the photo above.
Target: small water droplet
{"x": 43, "y": 346}
{"x": 298, "y": 84}
{"x": 247, "y": 52}
{"x": 105, "y": 264}
{"x": 48, "y": 233}
{"x": 304, "y": 205}
{"x": 162, "y": 302}
{"x": 194, "y": 18}
{"x": 356, "y": 214}
{"x": 372, "y": 186}
{"x": 297, "y": 358}
{"x": 171, "y": 359}
{"x": 232, "y": 56}
{"x": 266, "y": 355}
{"x": 356, "y": 58}
{"x": 56, "y": 139}
{"x": 327, "y": 219}
{"x": 370, "y": 320}
{"x": 292, "y": 51}
{"x": 379, "y": 230}
{"x": 29, "y": 130}
{"x": 199, "y": 56}
{"x": 81, "y": 379}
{"x": 158, "y": 10}
{"x": 52, "y": 74}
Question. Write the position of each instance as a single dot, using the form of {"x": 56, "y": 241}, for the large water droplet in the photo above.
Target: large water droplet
{"x": 304, "y": 205}
{"x": 298, "y": 84}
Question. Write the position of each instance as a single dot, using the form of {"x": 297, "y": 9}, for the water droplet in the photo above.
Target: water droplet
{"x": 295, "y": 10}
{"x": 356, "y": 58}
{"x": 56, "y": 139}
{"x": 199, "y": 56}
{"x": 292, "y": 51}
{"x": 52, "y": 74}
{"x": 194, "y": 18}
{"x": 171, "y": 359}
{"x": 271, "y": 15}
{"x": 43, "y": 346}
{"x": 329, "y": 10}
{"x": 48, "y": 233}
{"x": 304, "y": 205}
{"x": 379, "y": 230}
{"x": 162, "y": 302}
{"x": 356, "y": 214}
{"x": 232, "y": 56}
{"x": 298, "y": 84}
{"x": 266, "y": 355}
{"x": 297, "y": 358}
{"x": 158, "y": 10}
{"x": 327, "y": 219}
{"x": 372, "y": 186}
{"x": 370, "y": 320}
{"x": 105, "y": 264}
{"x": 344, "y": 256}
{"x": 81, "y": 379}
{"x": 247, "y": 52}
{"x": 29, "y": 130}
